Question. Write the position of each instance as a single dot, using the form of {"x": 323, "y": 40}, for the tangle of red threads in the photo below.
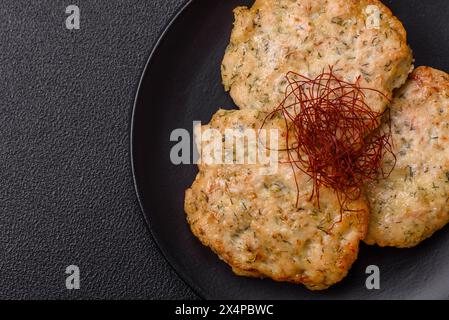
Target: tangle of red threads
{"x": 335, "y": 137}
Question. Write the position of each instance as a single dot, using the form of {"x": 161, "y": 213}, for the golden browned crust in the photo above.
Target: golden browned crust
{"x": 277, "y": 36}
{"x": 251, "y": 220}
{"x": 413, "y": 202}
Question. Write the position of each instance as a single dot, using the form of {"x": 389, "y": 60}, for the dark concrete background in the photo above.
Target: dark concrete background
{"x": 66, "y": 188}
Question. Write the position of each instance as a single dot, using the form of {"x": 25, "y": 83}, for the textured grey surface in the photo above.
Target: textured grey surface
{"x": 66, "y": 192}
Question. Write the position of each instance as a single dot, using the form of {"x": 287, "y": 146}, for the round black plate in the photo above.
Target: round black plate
{"x": 181, "y": 84}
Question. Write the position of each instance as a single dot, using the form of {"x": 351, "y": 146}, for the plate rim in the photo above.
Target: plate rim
{"x": 132, "y": 158}
{"x": 169, "y": 258}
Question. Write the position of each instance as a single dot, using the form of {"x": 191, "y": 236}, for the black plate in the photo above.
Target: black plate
{"x": 182, "y": 83}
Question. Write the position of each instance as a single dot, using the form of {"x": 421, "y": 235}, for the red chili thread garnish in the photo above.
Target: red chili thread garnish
{"x": 331, "y": 135}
